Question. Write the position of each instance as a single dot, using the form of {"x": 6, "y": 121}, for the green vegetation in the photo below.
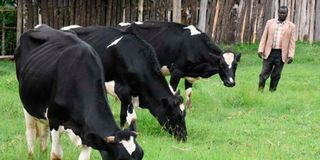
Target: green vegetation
{"x": 9, "y": 18}
{"x": 224, "y": 123}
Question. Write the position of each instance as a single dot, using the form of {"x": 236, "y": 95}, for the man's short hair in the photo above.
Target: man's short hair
{"x": 283, "y": 7}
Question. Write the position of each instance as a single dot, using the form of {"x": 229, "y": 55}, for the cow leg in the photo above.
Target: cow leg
{"x": 85, "y": 153}
{"x": 110, "y": 86}
{"x": 188, "y": 88}
{"x": 56, "y": 149}
{"x": 131, "y": 118}
{"x": 123, "y": 113}
{"x": 31, "y": 133}
{"x": 74, "y": 138}
{"x": 123, "y": 93}
{"x": 44, "y": 136}
{"x": 85, "y": 150}
{"x": 175, "y": 78}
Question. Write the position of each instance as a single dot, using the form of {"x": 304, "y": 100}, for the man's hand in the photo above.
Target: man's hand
{"x": 290, "y": 60}
{"x": 260, "y": 54}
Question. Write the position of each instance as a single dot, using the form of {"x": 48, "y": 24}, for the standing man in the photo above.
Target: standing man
{"x": 276, "y": 47}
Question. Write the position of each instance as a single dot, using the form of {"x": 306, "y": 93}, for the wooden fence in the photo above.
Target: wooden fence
{"x": 228, "y": 21}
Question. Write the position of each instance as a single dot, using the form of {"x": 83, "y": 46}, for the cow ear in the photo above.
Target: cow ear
{"x": 214, "y": 56}
{"x": 110, "y": 139}
{"x": 238, "y": 56}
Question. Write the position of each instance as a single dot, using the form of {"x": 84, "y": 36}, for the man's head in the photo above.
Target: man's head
{"x": 282, "y": 13}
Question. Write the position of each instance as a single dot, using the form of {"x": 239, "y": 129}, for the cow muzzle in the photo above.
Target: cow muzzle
{"x": 180, "y": 133}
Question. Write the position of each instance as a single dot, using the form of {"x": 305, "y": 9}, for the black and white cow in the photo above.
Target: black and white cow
{"x": 61, "y": 85}
{"x": 185, "y": 52}
{"x": 133, "y": 65}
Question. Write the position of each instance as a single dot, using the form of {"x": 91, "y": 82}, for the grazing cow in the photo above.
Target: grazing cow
{"x": 185, "y": 52}
{"x": 61, "y": 85}
{"x": 133, "y": 65}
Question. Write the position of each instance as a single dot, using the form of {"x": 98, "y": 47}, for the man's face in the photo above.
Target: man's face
{"x": 282, "y": 14}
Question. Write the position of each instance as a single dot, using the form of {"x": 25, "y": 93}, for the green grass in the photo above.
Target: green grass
{"x": 224, "y": 123}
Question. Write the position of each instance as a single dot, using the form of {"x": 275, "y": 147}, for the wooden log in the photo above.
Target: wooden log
{"x": 202, "y": 15}
{"x": 317, "y": 22}
{"x": 3, "y": 39}
{"x": 3, "y": 57}
{"x": 176, "y": 12}
{"x": 19, "y": 20}
{"x": 311, "y": 20}
{"x": 140, "y": 10}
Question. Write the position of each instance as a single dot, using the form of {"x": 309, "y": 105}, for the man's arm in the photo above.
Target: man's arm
{"x": 292, "y": 43}
{"x": 263, "y": 39}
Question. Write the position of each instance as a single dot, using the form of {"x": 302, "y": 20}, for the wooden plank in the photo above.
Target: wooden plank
{"x": 77, "y": 12}
{"x": 109, "y": 13}
{"x": 114, "y": 13}
{"x": 66, "y": 13}
{"x": 35, "y": 13}
{"x": 60, "y": 14}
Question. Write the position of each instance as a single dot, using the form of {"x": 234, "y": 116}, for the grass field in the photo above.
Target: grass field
{"x": 224, "y": 123}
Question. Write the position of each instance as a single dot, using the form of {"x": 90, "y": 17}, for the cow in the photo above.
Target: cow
{"x": 133, "y": 66}
{"x": 185, "y": 52}
{"x": 61, "y": 86}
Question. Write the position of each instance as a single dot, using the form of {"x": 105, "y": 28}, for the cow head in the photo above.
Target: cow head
{"x": 122, "y": 146}
{"x": 173, "y": 119}
{"x": 227, "y": 68}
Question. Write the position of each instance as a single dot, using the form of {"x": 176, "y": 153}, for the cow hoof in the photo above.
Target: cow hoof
{"x": 55, "y": 157}
{"x": 31, "y": 156}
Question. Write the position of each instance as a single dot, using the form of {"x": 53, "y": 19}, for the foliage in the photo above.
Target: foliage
{"x": 224, "y": 123}
{"x": 9, "y": 18}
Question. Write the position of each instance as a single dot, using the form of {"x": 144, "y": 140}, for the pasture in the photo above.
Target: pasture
{"x": 224, "y": 123}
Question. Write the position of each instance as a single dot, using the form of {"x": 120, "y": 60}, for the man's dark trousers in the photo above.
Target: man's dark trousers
{"x": 271, "y": 66}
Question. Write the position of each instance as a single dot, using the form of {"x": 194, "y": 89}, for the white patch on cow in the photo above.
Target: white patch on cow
{"x": 182, "y": 108}
{"x": 85, "y": 153}
{"x": 129, "y": 145}
{"x": 138, "y": 22}
{"x": 193, "y": 30}
{"x": 110, "y": 89}
{"x": 46, "y": 113}
{"x": 165, "y": 71}
{"x": 73, "y": 137}
{"x": 192, "y": 79}
{"x": 36, "y": 128}
{"x": 31, "y": 131}
{"x": 131, "y": 116}
{"x": 231, "y": 79}
{"x": 70, "y": 27}
{"x": 135, "y": 101}
{"x": 229, "y": 58}
{"x": 115, "y": 42}
{"x": 188, "y": 92}
{"x": 171, "y": 89}
{"x": 123, "y": 24}
{"x": 37, "y": 26}
{"x": 56, "y": 149}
